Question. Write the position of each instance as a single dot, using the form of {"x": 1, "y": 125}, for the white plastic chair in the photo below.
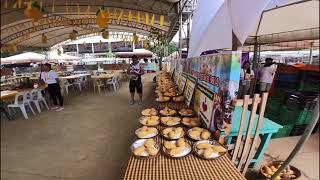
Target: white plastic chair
{"x": 36, "y": 98}
{"x": 78, "y": 84}
{"x": 99, "y": 85}
{"x": 113, "y": 83}
{"x": 67, "y": 85}
{"x": 22, "y": 103}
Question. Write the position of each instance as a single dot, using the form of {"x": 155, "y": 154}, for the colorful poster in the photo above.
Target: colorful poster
{"x": 182, "y": 82}
{"x": 139, "y": 45}
{"x": 205, "y": 103}
{"x": 189, "y": 90}
{"x": 220, "y": 74}
{"x": 85, "y": 48}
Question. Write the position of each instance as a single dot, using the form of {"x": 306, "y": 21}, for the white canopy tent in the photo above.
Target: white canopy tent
{"x": 53, "y": 56}
{"x": 28, "y": 57}
{"x": 254, "y": 22}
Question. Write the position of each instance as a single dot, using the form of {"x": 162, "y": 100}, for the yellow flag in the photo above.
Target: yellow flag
{"x": 88, "y": 10}
{"x": 115, "y": 13}
{"x": 120, "y": 15}
{"x": 6, "y": 4}
{"x": 29, "y": 5}
{"x": 161, "y": 20}
{"x": 152, "y": 20}
{"x": 14, "y": 5}
{"x": 53, "y": 10}
{"x": 147, "y": 18}
{"x": 19, "y": 3}
{"x": 130, "y": 16}
{"x": 67, "y": 8}
{"x": 138, "y": 17}
{"x": 78, "y": 9}
{"x": 41, "y": 5}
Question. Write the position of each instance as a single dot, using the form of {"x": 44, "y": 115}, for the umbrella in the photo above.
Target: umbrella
{"x": 28, "y": 57}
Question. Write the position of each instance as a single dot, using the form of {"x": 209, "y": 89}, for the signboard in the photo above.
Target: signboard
{"x": 189, "y": 90}
{"x": 70, "y": 48}
{"x": 121, "y": 46}
{"x": 101, "y": 47}
{"x": 85, "y": 48}
{"x": 218, "y": 77}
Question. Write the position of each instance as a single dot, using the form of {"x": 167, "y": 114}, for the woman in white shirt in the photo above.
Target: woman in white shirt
{"x": 49, "y": 77}
{"x": 266, "y": 75}
{"x": 246, "y": 75}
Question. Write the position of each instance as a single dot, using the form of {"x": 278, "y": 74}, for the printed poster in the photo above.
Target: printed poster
{"x": 189, "y": 90}
{"x": 205, "y": 103}
{"x": 182, "y": 82}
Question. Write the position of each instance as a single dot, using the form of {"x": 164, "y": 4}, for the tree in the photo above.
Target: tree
{"x": 160, "y": 46}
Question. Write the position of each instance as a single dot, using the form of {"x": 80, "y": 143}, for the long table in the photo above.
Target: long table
{"x": 189, "y": 167}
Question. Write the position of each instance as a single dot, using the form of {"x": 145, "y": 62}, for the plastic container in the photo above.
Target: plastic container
{"x": 288, "y": 116}
{"x": 304, "y": 117}
{"x": 283, "y": 132}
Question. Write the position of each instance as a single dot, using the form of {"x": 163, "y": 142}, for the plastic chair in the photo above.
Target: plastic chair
{"x": 67, "y": 85}
{"x": 99, "y": 85}
{"x": 78, "y": 83}
{"x": 37, "y": 97}
{"x": 22, "y": 104}
{"x": 112, "y": 82}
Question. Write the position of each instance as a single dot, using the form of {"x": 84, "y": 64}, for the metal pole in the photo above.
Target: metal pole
{"x": 305, "y": 136}
{"x": 180, "y": 31}
{"x": 310, "y": 55}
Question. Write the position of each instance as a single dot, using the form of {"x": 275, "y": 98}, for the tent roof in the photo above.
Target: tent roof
{"x": 54, "y": 56}
{"x": 16, "y": 28}
{"x": 27, "y": 57}
{"x": 142, "y": 53}
{"x": 295, "y": 21}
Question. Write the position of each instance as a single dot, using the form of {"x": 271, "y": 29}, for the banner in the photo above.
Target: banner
{"x": 70, "y": 48}
{"x": 189, "y": 90}
{"x": 139, "y": 45}
{"x": 101, "y": 47}
{"x": 218, "y": 75}
{"x": 85, "y": 48}
{"x": 121, "y": 46}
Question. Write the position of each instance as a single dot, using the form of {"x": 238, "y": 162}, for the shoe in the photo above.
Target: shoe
{"x": 54, "y": 108}
{"x": 131, "y": 103}
{"x": 60, "y": 109}
{"x": 140, "y": 103}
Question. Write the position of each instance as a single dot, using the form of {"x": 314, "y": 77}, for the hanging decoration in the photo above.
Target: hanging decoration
{"x": 152, "y": 20}
{"x": 147, "y": 18}
{"x": 161, "y": 20}
{"x": 59, "y": 52}
{"x": 19, "y": 3}
{"x": 146, "y": 44}
{"x": 53, "y": 8}
{"x": 135, "y": 38}
{"x": 120, "y": 15}
{"x": 102, "y": 17}
{"x": 105, "y": 34}
{"x": 130, "y": 16}
{"x": 6, "y": 4}
{"x": 88, "y": 10}
{"x": 78, "y": 9}
{"x": 73, "y": 35}
{"x": 33, "y": 11}
{"x": 138, "y": 17}
{"x": 44, "y": 39}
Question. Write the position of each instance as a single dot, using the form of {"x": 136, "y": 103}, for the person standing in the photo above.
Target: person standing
{"x": 135, "y": 71}
{"x": 246, "y": 75}
{"x": 267, "y": 73}
{"x": 49, "y": 77}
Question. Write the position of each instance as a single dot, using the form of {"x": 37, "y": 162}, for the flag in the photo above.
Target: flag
{"x": 14, "y": 5}
{"x": 161, "y": 20}
{"x": 147, "y": 18}
{"x": 19, "y": 3}
{"x": 6, "y": 4}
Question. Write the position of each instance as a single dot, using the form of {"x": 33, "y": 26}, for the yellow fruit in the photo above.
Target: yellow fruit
{"x": 152, "y": 130}
{"x": 181, "y": 142}
{"x": 178, "y": 130}
{"x": 176, "y": 151}
{"x": 169, "y": 145}
{"x": 195, "y": 134}
{"x": 172, "y": 134}
{"x": 142, "y": 134}
{"x": 152, "y": 150}
{"x": 149, "y": 142}
{"x": 219, "y": 149}
{"x": 205, "y": 135}
{"x": 166, "y": 131}
{"x": 144, "y": 128}
{"x": 207, "y": 152}
{"x": 204, "y": 145}
{"x": 139, "y": 150}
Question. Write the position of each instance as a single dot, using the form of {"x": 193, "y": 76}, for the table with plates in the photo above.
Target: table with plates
{"x": 75, "y": 76}
{"x": 190, "y": 167}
